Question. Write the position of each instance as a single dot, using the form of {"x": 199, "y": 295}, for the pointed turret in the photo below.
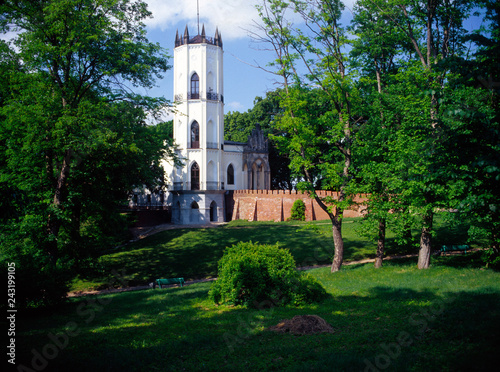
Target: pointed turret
{"x": 177, "y": 40}
{"x": 203, "y": 36}
{"x": 186, "y": 35}
{"x": 217, "y": 38}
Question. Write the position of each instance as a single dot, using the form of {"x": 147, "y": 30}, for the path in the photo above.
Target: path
{"x": 189, "y": 282}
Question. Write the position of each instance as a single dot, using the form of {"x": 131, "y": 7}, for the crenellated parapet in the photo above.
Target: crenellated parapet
{"x": 198, "y": 39}
{"x": 276, "y": 205}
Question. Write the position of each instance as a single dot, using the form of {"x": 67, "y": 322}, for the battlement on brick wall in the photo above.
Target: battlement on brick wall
{"x": 276, "y": 205}
{"x": 283, "y": 192}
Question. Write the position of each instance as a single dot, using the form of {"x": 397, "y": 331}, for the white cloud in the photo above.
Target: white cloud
{"x": 232, "y": 17}
{"x": 234, "y": 106}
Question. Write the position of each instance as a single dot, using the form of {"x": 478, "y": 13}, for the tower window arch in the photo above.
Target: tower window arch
{"x": 195, "y": 135}
{"x": 230, "y": 175}
{"x": 195, "y": 176}
{"x": 195, "y": 86}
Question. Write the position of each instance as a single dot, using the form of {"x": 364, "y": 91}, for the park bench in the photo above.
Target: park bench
{"x": 164, "y": 282}
{"x": 454, "y": 248}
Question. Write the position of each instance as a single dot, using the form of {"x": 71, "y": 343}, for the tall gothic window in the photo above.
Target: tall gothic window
{"x": 195, "y": 177}
{"x": 195, "y": 86}
{"x": 195, "y": 135}
{"x": 230, "y": 175}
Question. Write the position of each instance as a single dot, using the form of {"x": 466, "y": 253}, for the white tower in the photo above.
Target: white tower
{"x": 198, "y": 185}
{"x": 199, "y": 120}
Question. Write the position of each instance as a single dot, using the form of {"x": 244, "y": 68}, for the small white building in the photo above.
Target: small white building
{"x": 211, "y": 167}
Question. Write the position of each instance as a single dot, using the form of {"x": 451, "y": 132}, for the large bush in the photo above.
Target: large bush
{"x": 261, "y": 276}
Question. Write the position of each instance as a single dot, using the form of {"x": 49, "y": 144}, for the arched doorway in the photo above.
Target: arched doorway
{"x": 213, "y": 212}
{"x": 195, "y": 213}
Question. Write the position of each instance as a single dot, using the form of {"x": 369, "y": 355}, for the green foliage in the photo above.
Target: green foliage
{"x": 38, "y": 282}
{"x": 74, "y": 138}
{"x": 298, "y": 210}
{"x": 262, "y": 276}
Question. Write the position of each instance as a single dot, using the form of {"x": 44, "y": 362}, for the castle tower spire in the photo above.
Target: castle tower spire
{"x": 177, "y": 41}
{"x": 186, "y": 35}
{"x": 203, "y": 36}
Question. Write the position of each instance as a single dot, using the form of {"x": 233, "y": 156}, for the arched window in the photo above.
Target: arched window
{"x": 195, "y": 135}
{"x": 230, "y": 175}
{"x": 195, "y": 177}
{"x": 195, "y": 86}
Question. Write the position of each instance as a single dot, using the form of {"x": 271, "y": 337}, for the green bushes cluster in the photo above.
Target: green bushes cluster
{"x": 261, "y": 276}
{"x": 298, "y": 212}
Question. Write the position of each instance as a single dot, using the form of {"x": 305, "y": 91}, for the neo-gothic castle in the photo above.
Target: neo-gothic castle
{"x": 211, "y": 167}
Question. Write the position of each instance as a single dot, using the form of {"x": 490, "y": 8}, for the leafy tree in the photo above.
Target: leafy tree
{"x": 473, "y": 117}
{"x": 319, "y": 101}
{"x": 72, "y": 128}
{"x": 432, "y": 32}
{"x": 377, "y": 54}
{"x": 434, "y": 50}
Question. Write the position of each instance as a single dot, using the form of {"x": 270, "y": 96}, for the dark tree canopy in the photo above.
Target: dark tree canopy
{"x": 74, "y": 135}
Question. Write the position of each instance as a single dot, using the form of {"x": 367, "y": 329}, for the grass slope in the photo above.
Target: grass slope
{"x": 193, "y": 253}
{"x": 397, "y": 318}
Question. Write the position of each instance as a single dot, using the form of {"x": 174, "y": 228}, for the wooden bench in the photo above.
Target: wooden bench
{"x": 454, "y": 248}
{"x": 165, "y": 282}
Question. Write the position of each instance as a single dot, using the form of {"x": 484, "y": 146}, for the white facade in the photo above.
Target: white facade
{"x": 210, "y": 166}
{"x": 199, "y": 115}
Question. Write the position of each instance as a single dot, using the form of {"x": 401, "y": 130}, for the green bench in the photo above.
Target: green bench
{"x": 454, "y": 248}
{"x": 164, "y": 282}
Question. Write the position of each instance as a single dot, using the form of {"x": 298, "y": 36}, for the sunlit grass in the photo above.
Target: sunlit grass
{"x": 450, "y": 313}
{"x": 193, "y": 253}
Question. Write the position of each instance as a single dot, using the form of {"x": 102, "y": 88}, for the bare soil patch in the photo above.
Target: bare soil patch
{"x": 303, "y": 325}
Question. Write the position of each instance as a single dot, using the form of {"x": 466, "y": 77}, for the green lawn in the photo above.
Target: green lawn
{"x": 193, "y": 253}
{"x": 396, "y": 318}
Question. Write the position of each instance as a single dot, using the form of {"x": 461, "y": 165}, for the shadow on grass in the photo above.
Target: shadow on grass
{"x": 470, "y": 260}
{"x": 193, "y": 253}
{"x": 178, "y": 329}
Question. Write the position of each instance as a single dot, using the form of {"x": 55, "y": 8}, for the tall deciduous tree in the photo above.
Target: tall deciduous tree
{"x": 473, "y": 117}
{"x": 378, "y": 53}
{"x": 72, "y": 127}
{"x": 435, "y": 30}
{"x": 312, "y": 64}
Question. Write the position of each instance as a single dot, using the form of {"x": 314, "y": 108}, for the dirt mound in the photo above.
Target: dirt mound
{"x": 303, "y": 325}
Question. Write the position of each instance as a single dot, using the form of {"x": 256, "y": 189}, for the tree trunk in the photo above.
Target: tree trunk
{"x": 380, "y": 244}
{"x": 424, "y": 254}
{"x": 54, "y": 222}
{"x": 338, "y": 242}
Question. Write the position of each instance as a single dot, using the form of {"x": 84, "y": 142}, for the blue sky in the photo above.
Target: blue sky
{"x": 242, "y": 80}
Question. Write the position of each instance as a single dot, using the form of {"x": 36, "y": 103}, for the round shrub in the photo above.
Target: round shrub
{"x": 259, "y": 276}
{"x": 298, "y": 212}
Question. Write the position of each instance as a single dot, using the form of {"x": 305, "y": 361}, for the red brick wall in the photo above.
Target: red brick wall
{"x": 276, "y": 205}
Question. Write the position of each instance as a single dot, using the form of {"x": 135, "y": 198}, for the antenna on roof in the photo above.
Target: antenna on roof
{"x": 198, "y": 11}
